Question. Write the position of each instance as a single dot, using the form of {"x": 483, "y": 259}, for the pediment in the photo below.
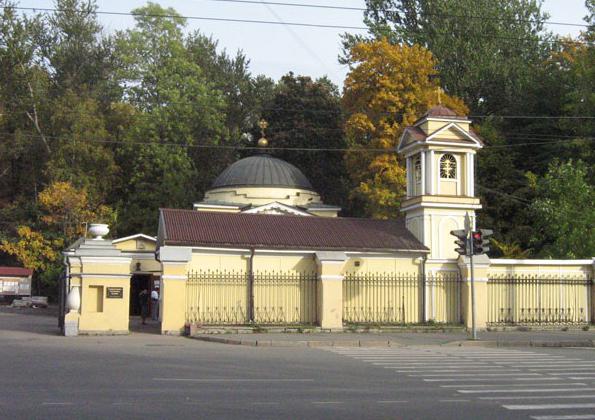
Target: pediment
{"x": 277, "y": 208}
{"x": 452, "y": 133}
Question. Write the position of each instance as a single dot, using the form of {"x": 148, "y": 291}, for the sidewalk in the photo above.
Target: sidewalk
{"x": 487, "y": 339}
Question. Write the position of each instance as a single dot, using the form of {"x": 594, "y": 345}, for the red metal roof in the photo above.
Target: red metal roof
{"x": 15, "y": 271}
{"x": 196, "y": 228}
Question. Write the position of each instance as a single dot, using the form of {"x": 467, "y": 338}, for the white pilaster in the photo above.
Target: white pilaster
{"x": 431, "y": 173}
{"x": 423, "y": 173}
{"x": 409, "y": 176}
{"x": 471, "y": 174}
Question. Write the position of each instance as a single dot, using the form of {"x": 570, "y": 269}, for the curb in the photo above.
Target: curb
{"x": 303, "y": 344}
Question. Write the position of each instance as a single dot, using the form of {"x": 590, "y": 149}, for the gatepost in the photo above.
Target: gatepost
{"x": 174, "y": 274}
{"x": 330, "y": 289}
{"x": 481, "y": 264}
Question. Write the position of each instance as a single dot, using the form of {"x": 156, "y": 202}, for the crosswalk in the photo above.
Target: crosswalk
{"x": 544, "y": 386}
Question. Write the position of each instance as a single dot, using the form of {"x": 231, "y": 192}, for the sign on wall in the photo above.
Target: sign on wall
{"x": 114, "y": 293}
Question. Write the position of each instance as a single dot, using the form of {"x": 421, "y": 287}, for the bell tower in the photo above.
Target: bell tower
{"x": 439, "y": 149}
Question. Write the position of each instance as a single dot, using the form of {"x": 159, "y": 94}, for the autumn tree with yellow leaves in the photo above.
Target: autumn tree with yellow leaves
{"x": 387, "y": 88}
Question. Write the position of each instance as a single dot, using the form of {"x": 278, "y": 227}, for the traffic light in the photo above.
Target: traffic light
{"x": 481, "y": 241}
{"x": 461, "y": 241}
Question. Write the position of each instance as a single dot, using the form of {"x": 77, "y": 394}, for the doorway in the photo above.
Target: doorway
{"x": 138, "y": 282}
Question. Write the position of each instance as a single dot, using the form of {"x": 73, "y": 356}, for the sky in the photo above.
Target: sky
{"x": 275, "y": 50}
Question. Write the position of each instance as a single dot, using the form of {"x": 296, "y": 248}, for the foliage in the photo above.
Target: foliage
{"x": 387, "y": 88}
{"x": 510, "y": 249}
{"x": 306, "y": 113}
{"x": 564, "y": 210}
{"x": 32, "y": 249}
{"x": 485, "y": 50}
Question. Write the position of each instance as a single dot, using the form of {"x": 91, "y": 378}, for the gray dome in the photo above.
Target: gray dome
{"x": 262, "y": 171}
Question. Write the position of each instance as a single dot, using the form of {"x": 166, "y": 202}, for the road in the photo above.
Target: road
{"x": 152, "y": 376}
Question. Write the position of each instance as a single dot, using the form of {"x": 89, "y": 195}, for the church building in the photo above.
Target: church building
{"x": 263, "y": 249}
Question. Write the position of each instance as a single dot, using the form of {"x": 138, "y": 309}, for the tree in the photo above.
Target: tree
{"x": 486, "y": 50}
{"x": 306, "y": 113}
{"x": 564, "y": 211}
{"x": 387, "y": 88}
{"x": 32, "y": 249}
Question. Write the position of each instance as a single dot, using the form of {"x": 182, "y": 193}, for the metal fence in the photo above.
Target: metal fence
{"x": 222, "y": 297}
{"x": 285, "y": 298}
{"x": 443, "y": 297}
{"x": 538, "y": 299}
{"x": 387, "y": 298}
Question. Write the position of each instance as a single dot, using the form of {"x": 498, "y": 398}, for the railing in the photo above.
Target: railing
{"x": 222, "y": 297}
{"x": 539, "y": 300}
{"x": 217, "y": 297}
{"x": 387, "y": 298}
{"x": 285, "y": 298}
{"x": 443, "y": 297}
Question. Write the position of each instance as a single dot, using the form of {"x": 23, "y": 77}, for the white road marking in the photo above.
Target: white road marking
{"x": 528, "y": 390}
{"x": 490, "y": 379}
{"x": 230, "y": 380}
{"x": 547, "y": 406}
{"x": 392, "y": 402}
{"x": 540, "y": 397}
{"x": 566, "y": 417}
{"x": 56, "y": 403}
{"x": 475, "y": 374}
{"x": 579, "y": 384}
{"x": 454, "y": 400}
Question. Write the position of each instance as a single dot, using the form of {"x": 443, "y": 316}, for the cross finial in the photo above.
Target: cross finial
{"x": 439, "y": 91}
{"x": 263, "y": 124}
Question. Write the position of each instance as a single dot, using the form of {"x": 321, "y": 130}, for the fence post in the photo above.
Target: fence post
{"x": 481, "y": 265}
{"x": 330, "y": 289}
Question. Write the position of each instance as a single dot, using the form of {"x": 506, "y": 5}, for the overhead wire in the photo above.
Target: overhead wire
{"x": 270, "y": 22}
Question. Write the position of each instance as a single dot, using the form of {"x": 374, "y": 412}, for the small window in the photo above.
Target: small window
{"x": 448, "y": 167}
{"x": 417, "y": 169}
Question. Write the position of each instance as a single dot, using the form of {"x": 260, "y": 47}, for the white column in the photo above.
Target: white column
{"x": 469, "y": 190}
{"x": 408, "y": 176}
{"x": 431, "y": 172}
{"x": 423, "y": 173}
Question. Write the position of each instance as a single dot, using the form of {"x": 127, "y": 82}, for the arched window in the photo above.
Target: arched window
{"x": 448, "y": 167}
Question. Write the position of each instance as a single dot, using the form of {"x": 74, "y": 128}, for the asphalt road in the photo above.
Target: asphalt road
{"x": 152, "y": 376}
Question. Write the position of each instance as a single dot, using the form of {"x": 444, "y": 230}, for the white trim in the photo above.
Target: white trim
{"x": 408, "y": 175}
{"x": 98, "y": 275}
{"x": 445, "y": 119}
{"x": 337, "y": 277}
{"x": 442, "y": 261}
{"x": 275, "y": 205}
{"x": 173, "y": 277}
{"x": 506, "y": 261}
{"x": 150, "y": 255}
{"x": 422, "y": 181}
{"x": 216, "y": 206}
{"x": 106, "y": 260}
{"x": 431, "y": 173}
{"x": 442, "y": 205}
{"x": 448, "y": 127}
{"x": 138, "y": 235}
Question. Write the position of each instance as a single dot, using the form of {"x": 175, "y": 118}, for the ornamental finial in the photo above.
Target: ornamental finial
{"x": 263, "y": 124}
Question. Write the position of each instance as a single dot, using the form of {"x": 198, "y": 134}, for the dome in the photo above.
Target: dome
{"x": 262, "y": 171}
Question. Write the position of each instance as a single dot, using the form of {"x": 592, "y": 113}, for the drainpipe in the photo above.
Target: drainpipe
{"x": 424, "y": 259}
{"x": 251, "y": 286}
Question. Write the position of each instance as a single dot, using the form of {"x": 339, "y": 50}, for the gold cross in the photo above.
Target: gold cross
{"x": 263, "y": 124}
{"x": 439, "y": 91}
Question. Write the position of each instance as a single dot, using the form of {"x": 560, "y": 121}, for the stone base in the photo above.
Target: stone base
{"x": 71, "y": 328}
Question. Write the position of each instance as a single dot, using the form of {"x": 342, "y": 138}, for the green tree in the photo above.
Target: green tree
{"x": 564, "y": 210}
{"x": 306, "y": 113}
{"x": 485, "y": 50}
{"x": 387, "y": 88}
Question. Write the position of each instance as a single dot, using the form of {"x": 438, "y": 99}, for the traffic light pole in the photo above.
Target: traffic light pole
{"x": 473, "y": 328}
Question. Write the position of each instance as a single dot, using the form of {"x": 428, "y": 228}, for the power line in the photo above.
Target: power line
{"x": 363, "y": 9}
{"x": 294, "y": 149}
{"x": 269, "y": 22}
{"x": 513, "y": 197}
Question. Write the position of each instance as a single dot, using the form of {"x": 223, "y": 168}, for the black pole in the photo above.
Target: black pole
{"x": 251, "y": 287}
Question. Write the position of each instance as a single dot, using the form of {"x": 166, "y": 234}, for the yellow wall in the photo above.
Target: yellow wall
{"x": 138, "y": 244}
{"x": 114, "y": 313}
{"x": 260, "y": 196}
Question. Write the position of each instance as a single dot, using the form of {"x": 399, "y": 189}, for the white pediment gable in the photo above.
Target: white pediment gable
{"x": 277, "y": 208}
{"x": 444, "y": 134}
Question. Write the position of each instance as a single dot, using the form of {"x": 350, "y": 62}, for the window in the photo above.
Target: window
{"x": 417, "y": 169}
{"x": 448, "y": 167}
